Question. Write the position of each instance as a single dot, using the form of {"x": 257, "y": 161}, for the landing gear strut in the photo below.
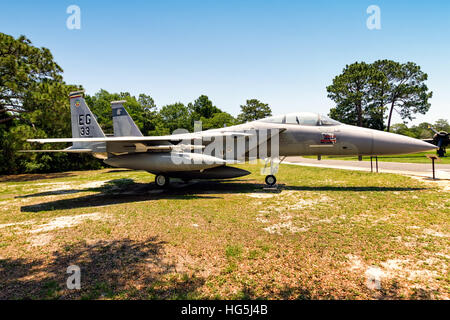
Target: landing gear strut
{"x": 270, "y": 169}
{"x": 270, "y": 180}
{"x": 162, "y": 181}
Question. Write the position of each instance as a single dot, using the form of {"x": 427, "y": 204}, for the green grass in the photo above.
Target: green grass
{"x": 314, "y": 238}
{"x": 407, "y": 158}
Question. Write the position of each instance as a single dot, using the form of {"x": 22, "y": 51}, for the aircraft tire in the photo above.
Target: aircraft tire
{"x": 270, "y": 180}
{"x": 162, "y": 181}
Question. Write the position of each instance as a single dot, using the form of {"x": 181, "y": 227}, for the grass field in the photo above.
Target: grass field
{"x": 407, "y": 158}
{"x": 324, "y": 234}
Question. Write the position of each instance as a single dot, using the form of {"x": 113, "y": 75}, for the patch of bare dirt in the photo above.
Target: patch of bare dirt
{"x": 260, "y": 195}
{"x": 282, "y": 213}
{"x": 66, "y": 222}
{"x": 421, "y": 274}
{"x": 38, "y": 233}
{"x": 278, "y": 228}
{"x": 40, "y": 240}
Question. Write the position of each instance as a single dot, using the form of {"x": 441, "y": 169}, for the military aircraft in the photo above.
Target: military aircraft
{"x": 207, "y": 154}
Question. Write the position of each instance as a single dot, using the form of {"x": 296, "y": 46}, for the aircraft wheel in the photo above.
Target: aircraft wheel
{"x": 270, "y": 180}
{"x": 162, "y": 181}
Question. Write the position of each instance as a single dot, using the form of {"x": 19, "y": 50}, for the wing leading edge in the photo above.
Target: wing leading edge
{"x": 175, "y": 137}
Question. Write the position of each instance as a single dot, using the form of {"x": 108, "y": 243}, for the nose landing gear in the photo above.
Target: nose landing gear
{"x": 271, "y": 180}
{"x": 162, "y": 181}
{"x": 270, "y": 169}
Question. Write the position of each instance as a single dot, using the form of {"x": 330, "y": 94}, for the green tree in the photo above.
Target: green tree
{"x": 141, "y": 109}
{"x": 100, "y": 105}
{"x": 33, "y": 103}
{"x": 353, "y": 93}
{"x": 23, "y": 69}
{"x": 442, "y": 125}
{"x": 422, "y": 130}
{"x": 202, "y": 107}
{"x": 254, "y": 110}
{"x": 145, "y": 112}
{"x": 402, "y": 128}
{"x": 365, "y": 92}
{"x": 406, "y": 91}
{"x": 172, "y": 117}
{"x": 218, "y": 120}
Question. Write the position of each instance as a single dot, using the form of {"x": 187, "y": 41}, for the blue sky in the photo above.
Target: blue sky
{"x": 284, "y": 53}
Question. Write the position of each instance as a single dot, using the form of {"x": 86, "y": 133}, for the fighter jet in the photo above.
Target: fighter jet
{"x": 208, "y": 154}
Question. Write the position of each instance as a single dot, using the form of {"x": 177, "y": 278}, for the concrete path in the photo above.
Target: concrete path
{"x": 412, "y": 169}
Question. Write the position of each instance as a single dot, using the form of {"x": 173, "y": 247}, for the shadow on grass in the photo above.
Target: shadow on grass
{"x": 122, "y": 170}
{"x": 112, "y": 269}
{"x": 34, "y": 177}
{"x": 108, "y": 187}
{"x": 50, "y": 193}
{"x": 127, "y": 191}
{"x": 113, "y": 192}
{"x": 390, "y": 291}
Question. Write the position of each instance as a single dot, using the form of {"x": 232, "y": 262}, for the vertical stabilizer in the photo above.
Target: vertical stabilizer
{"x": 124, "y": 125}
{"x": 84, "y": 123}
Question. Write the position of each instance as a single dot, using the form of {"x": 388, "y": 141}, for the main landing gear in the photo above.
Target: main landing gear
{"x": 162, "y": 181}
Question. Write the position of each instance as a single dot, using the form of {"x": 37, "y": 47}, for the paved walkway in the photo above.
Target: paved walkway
{"x": 413, "y": 169}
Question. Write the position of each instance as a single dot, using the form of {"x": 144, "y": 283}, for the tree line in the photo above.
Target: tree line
{"x": 422, "y": 130}
{"x": 163, "y": 121}
{"x": 34, "y": 104}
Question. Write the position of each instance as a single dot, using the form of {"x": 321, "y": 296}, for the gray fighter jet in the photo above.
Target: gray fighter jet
{"x": 207, "y": 154}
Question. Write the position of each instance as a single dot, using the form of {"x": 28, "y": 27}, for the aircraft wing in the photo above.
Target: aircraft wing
{"x": 175, "y": 137}
{"x": 141, "y": 144}
{"x": 154, "y": 143}
{"x": 63, "y": 150}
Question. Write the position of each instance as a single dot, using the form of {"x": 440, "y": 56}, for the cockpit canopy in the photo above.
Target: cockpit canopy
{"x": 303, "y": 118}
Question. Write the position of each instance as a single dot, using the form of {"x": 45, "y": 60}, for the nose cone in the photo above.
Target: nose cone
{"x": 390, "y": 143}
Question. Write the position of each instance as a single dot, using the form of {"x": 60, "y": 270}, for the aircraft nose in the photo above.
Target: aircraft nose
{"x": 391, "y": 143}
